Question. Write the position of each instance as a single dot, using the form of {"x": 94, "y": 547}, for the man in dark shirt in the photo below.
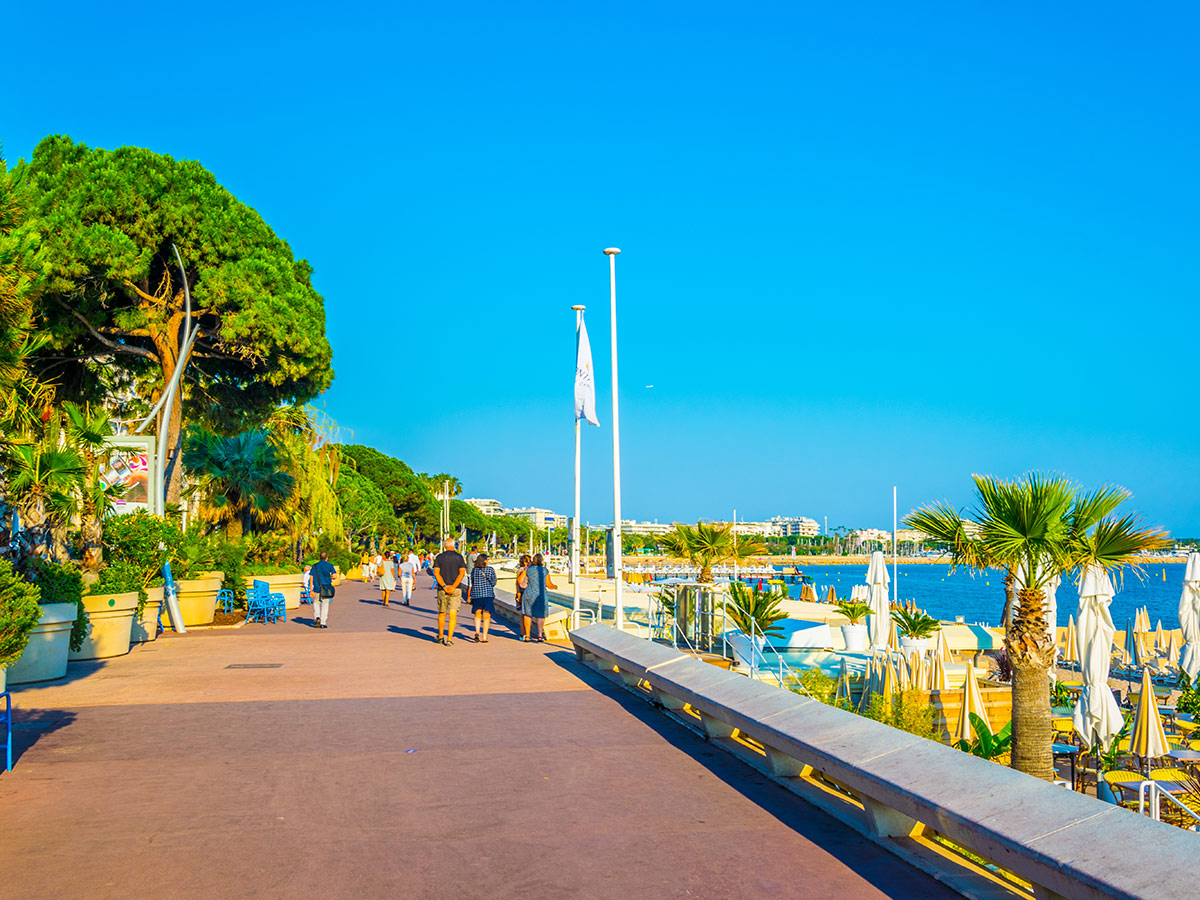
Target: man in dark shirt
{"x": 323, "y": 575}
{"x": 448, "y": 569}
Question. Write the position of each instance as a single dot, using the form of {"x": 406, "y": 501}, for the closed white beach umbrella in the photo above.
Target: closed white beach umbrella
{"x": 941, "y": 648}
{"x": 1097, "y": 716}
{"x": 1172, "y": 648}
{"x": 1160, "y": 638}
{"x": 972, "y": 702}
{"x": 937, "y": 677}
{"x": 880, "y": 622}
{"x": 1071, "y": 653}
{"x": 1189, "y": 617}
{"x": 1147, "y": 738}
{"x": 843, "y": 685}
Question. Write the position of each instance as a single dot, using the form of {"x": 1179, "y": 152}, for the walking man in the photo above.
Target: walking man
{"x": 448, "y": 570}
{"x": 322, "y": 579}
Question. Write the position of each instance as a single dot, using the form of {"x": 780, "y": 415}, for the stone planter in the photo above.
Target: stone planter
{"x": 145, "y": 627}
{"x": 3, "y": 679}
{"x": 111, "y": 617}
{"x": 855, "y": 637}
{"x": 45, "y": 656}
{"x": 197, "y": 598}
{"x": 289, "y": 585}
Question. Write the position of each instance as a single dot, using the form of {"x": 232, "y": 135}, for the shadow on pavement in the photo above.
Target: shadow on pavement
{"x": 30, "y": 724}
{"x": 873, "y": 863}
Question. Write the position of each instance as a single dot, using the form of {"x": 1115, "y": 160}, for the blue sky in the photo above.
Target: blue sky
{"x": 865, "y": 244}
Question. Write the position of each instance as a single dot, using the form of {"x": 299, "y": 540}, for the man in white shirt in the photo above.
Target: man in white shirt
{"x": 408, "y": 572}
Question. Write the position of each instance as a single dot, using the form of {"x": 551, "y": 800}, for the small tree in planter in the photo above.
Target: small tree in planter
{"x": 141, "y": 542}
{"x": 915, "y": 627}
{"x": 19, "y": 612}
{"x": 62, "y": 584}
{"x": 756, "y": 612}
{"x": 854, "y": 634}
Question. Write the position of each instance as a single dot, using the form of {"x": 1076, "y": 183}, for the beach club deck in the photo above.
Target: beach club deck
{"x": 366, "y": 760}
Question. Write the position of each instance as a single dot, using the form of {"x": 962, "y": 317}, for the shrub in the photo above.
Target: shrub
{"x": 818, "y": 685}
{"x": 19, "y": 612}
{"x": 230, "y": 558}
{"x": 909, "y": 711}
{"x": 1189, "y": 701}
{"x": 62, "y": 584}
{"x": 271, "y": 548}
{"x": 143, "y": 541}
{"x": 1004, "y": 670}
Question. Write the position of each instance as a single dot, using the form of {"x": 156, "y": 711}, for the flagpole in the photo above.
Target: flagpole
{"x": 619, "y": 611}
{"x": 575, "y": 522}
{"x": 895, "y": 583}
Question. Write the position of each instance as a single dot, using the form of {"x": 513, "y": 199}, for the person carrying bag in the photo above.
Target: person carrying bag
{"x": 323, "y": 574}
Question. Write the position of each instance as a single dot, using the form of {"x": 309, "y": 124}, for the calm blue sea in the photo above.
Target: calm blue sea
{"x": 980, "y": 598}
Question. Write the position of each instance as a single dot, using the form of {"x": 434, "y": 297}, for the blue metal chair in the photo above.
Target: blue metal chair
{"x": 225, "y": 598}
{"x": 6, "y": 721}
{"x": 305, "y": 595}
{"x": 257, "y": 603}
{"x": 278, "y": 606}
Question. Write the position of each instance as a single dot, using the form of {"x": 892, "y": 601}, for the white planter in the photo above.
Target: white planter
{"x": 290, "y": 585}
{"x": 855, "y": 637}
{"x": 197, "y": 599}
{"x": 111, "y": 623}
{"x": 45, "y": 656}
{"x": 3, "y": 679}
{"x": 908, "y": 645}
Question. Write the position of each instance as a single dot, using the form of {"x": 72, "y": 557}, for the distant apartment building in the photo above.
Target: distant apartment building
{"x": 628, "y": 526}
{"x": 487, "y": 507}
{"x": 538, "y": 517}
{"x": 759, "y": 529}
{"x": 910, "y": 536}
{"x": 863, "y": 535}
{"x": 796, "y": 526}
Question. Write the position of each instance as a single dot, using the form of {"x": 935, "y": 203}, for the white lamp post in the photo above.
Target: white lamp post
{"x": 619, "y": 611}
{"x": 575, "y": 521}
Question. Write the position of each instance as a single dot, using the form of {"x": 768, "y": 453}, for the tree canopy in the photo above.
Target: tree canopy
{"x": 108, "y": 221}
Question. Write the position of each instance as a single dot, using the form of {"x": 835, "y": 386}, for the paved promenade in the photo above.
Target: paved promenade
{"x": 373, "y": 762}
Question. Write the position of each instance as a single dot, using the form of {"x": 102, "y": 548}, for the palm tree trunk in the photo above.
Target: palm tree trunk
{"x": 705, "y": 576}
{"x": 1031, "y": 652}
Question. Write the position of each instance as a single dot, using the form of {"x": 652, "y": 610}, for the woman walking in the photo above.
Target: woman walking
{"x": 387, "y": 578}
{"x": 481, "y": 591}
{"x": 522, "y": 565}
{"x": 534, "y": 582}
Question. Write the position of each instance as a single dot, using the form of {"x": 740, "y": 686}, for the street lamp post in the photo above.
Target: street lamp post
{"x": 619, "y": 611}
{"x": 575, "y": 521}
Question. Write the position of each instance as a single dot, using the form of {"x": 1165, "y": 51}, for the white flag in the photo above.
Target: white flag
{"x": 585, "y": 383}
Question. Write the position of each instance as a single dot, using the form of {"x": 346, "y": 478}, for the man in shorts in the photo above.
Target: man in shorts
{"x": 448, "y": 570}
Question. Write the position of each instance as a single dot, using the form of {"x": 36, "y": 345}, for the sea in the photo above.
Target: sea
{"x": 979, "y": 597}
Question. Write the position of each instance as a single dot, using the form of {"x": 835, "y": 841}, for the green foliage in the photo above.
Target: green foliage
{"x": 987, "y": 744}
{"x": 1113, "y": 757}
{"x": 1060, "y": 696}
{"x": 818, "y": 685}
{"x": 19, "y": 612}
{"x": 241, "y": 478}
{"x": 365, "y": 510}
{"x": 62, "y": 584}
{"x": 108, "y": 220}
{"x": 229, "y": 557}
{"x": 1189, "y": 701}
{"x": 909, "y": 711}
{"x": 756, "y": 611}
{"x": 142, "y": 540}
{"x": 270, "y": 548}
{"x": 854, "y": 610}
{"x": 707, "y": 545}
{"x": 915, "y": 623}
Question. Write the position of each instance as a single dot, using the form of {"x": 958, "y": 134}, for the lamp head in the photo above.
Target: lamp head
{"x": 611, "y": 251}
{"x": 578, "y": 308}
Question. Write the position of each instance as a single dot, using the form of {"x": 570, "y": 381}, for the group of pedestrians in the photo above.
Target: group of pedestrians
{"x": 458, "y": 580}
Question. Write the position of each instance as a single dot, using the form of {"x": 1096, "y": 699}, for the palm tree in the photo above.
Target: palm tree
{"x": 241, "y": 478}
{"x": 87, "y": 431}
{"x": 754, "y": 611}
{"x": 708, "y": 545}
{"x": 44, "y": 481}
{"x": 1037, "y": 528}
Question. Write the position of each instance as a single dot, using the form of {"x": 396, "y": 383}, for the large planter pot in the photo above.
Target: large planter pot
{"x": 145, "y": 626}
{"x": 197, "y": 599}
{"x": 289, "y": 585}
{"x": 3, "y": 679}
{"x": 855, "y": 637}
{"x": 908, "y": 644}
{"x": 111, "y": 617}
{"x": 45, "y": 656}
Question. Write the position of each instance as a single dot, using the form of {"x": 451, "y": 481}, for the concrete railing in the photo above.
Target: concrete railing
{"x": 920, "y": 799}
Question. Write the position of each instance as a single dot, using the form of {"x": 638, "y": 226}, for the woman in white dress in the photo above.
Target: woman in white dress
{"x": 387, "y": 577}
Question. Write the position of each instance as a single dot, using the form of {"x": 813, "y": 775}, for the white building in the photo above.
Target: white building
{"x": 538, "y": 517}
{"x": 629, "y": 526}
{"x": 872, "y": 534}
{"x": 796, "y": 526}
{"x": 487, "y": 507}
{"x": 760, "y": 529}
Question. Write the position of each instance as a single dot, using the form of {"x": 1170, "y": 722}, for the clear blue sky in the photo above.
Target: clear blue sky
{"x": 865, "y": 244}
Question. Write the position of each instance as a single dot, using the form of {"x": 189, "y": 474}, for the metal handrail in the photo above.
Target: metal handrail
{"x": 576, "y": 613}
{"x": 785, "y": 671}
{"x": 1157, "y": 793}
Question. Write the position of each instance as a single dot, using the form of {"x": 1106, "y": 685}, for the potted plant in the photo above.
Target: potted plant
{"x": 196, "y": 585}
{"x": 145, "y": 542}
{"x": 19, "y": 615}
{"x": 111, "y": 603}
{"x": 916, "y": 629}
{"x": 61, "y": 627}
{"x": 854, "y": 634}
{"x": 755, "y": 612}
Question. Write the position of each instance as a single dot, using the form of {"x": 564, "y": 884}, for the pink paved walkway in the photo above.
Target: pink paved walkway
{"x": 375, "y": 763}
